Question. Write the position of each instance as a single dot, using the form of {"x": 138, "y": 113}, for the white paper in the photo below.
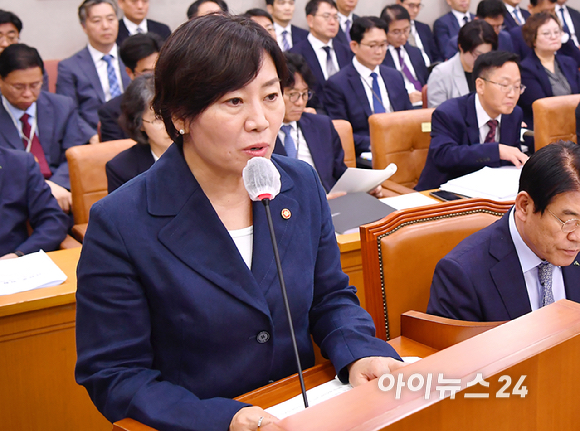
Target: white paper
{"x": 410, "y": 200}
{"x": 355, "y": 180}
{"x": 29, "y": 272}
{"x": 498, "y": 184}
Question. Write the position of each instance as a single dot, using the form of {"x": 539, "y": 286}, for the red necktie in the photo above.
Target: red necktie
{"x": 35, "y": 147}
{"x": 492, "y": 129}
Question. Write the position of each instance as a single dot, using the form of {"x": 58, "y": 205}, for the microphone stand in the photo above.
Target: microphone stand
{"x": 266, "y": 203}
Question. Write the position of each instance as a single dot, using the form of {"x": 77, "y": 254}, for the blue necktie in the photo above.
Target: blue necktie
{"x": 564, "y": 25}
{"x": 289, "y": 144}
{"x": 114, "y": 88}
{"x": 285, "y": 41}
{"x": 378, "y": 106}
{"x": 347, "y": 26}
{"x": 330, "y": 67}
{"x": 517, "y": 16}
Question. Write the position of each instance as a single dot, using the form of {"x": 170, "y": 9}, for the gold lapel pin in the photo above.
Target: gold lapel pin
{"x": 576, "y": 263}
{"x": 286, "y": 214}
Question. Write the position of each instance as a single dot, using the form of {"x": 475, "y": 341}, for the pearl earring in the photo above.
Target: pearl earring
{"x": 181, "y": 132}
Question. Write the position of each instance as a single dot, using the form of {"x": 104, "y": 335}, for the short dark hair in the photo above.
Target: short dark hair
{"x": 550, "y": 171}
{"x": 139, "y": 46}
{"x": 86, "y": 5}
{"x": 258, "y": 12}
{"x": 493, "y": 60}
{"x": 491, "y": 9}
{"x": 363, "y": 24}
{"x": 535, "y": 2}
{"x": 194, "y": 7}
{"x": 297, "y": 65}
{"x": 394, "y": 12}
{"x": 533, "y": 24}
{"x": 7, "y": 17}
{"x": 312, "y": 6}
{"x": 136, "y": 100}
{"x": 19, "y": 57}
{"x": 475, "y": 33}
{"x": 215, "y": 54}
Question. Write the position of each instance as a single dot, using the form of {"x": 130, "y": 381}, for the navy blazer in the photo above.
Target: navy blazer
{"x": 537, "y": 83}
{"x": 568, "y": 49}
{"x": 428, "y": 41}
{"x": 25, "y": 197}
{"x": 152, "y": 27}
{"x": 127, "y": 165}
{"x": 346, "y": 99}
{"x": 509, "y": 22}
{"x": 58, "y": 130}
{"x": 444, "y": 28}
{"x": 341, "y": 35}
{"x": 324, "y": 146}
{"x": 455, "y": 147}
{"x": 504, "y": 43}
{"x": 172, "y": 324}
{"x": 109, "y": 114}
{"x": 343, "y": 56}
{"x": 417, "y": 60}
{"x": 481, "y": 279}
{"x": 78, "y": 79}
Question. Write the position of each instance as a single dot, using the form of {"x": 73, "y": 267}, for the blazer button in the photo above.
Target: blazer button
{"x": 263, "y": 337}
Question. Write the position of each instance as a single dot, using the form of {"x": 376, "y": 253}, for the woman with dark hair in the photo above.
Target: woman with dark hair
{"x": 142, "y": 125}
{"x": 178, "y": 304}
{"x": 545, "y": 73}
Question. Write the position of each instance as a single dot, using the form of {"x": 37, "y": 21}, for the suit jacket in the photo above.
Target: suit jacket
{"x": 346, "y": 99}
{"x": 447, "y": 80}
{"x": 25, "y": 197}
{"x": 416, "y": 58}
{"x": 444, "y": 28}
{"x": 199, "y": 326}
{"x": 58, "y": 130}
{"x": 127, "y": 165}
{"x": 152, "y": 27}
{"x": 341, "y": 36}
{"x": 519, "y": 45}
{"x": 509, "y": 22}
{"x": 324, "y": 145}
{"x": 428, "y": 41}
{"x": 455, "y": 148}
{"x": 481, "y": 279}
{"x": 504, "y": 43}
{"x": 109, "y": 114}
{"x": 537, "y": 83}
{"x": 78, "y": 79}
{"x": 343, "y": 56}
{"x": 298, "y": 35}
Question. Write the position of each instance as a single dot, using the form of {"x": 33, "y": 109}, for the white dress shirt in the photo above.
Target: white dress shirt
{"x": 132, "y": 27}
{"x": 101, "y": 66}
{"x": 569, "y": 22}
{"x": 279, "y": 30}
{"x": 482, "y": 119}
{"x": 302, "y": 151}
{"x": 244, "y": 241}
{"x": 408, "y": 84}
{"x": 16, "y": 113}
{"x": 419, "y": 43}
{"x": 367, "y": 82}
{"x": 515, "y": 11}
{"x": 459, "y": 17}
{"x": 318, "y": 47}
{"x": 343, "y": 19}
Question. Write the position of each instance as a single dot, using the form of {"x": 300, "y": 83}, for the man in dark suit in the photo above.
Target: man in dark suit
{"x": 10, "y": 28}
{"x": 287, "y": 34}
{"x": 95, "y": 74}
{"x": 135, "y": 21}
{"x": 570, "y": 19}
{"x": 347, "y": 17}
{"x": 25, "y": 198}
{"x": 516, "y": 17}
{"x": 518, "y": 42}
{"x": 36, "y": 121}
{"x": 421, "y": 35}
{"x": 448, "y": 25}
{"x": 479, "y": 129}
{"x": 354, "y": 94}
{"x": 525, "y": 260}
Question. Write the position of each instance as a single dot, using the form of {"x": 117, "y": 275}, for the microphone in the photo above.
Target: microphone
{"x": 262, "y": 181}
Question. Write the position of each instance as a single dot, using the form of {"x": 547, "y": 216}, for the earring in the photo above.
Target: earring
{"x": 181, "y": 132}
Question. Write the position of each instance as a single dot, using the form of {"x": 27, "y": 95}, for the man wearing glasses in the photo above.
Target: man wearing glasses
{"x": 420, "y": 34}
{"x": 479, "y": 129}
{"x": 10, "y": 28}
{"x": 528, "y": 258}
{"x": 282, "y": 12}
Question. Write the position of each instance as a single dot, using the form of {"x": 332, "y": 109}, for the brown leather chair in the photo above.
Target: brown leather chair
{"x": 399, "y": 254}
{"x": 344, "y": 130}
{"x": 51, "y": 68}
{"x": 401, "y": 138}
{"x": 88, "y": 179}
{"x": 424, "y": 97}
{"x": 554, "y": 119}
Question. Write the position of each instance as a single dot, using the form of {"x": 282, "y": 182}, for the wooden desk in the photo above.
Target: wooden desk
{"x": 37, "y": 358}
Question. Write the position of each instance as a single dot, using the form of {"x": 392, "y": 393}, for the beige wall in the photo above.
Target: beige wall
{"x": 53, "y": 28}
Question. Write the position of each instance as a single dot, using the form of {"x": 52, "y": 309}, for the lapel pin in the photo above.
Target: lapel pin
{"x": 286, "y": 214}
{"x": 576, "y": 263}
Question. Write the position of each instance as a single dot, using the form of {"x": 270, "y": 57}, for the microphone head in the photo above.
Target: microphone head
{"x": 261, "y": 179}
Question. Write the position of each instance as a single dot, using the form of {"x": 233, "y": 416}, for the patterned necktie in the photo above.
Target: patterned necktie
{"x": 347, "y": 26}
{"x": 465, "y": 20}
{"x": 330, "y": 67}
{"x": 285, "y": 41}
{"x": 516, "y": 16}
{"x": 35, "y": 147}
{"x": 545, "y": 274}
{"x": 407, "y": 72}
{"x": 289, "y": 144}
{"x": 563, "y": 19}
{"x": 411, "y": 38}
{"x": 378, "y": 106}
{"x": 140, "y": 30}
{"x": 490, "y": 137}
{"x": 114, "y": 88}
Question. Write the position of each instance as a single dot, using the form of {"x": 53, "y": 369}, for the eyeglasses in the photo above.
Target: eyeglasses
{"x": 519, "y": 89}
{"x": 553, "y": 33}
{"x": 21, "y": 88}
{"x": 406, "y": 30}
{"x": 11, "y": 37}
{"x": 329, "y": 17}
{"x": 415, "y": 5}
{"x": 372, "y": 46}
{"x": 295, "y": 96}
{"x": 282, "y": 2}
{"x": 567, "y": 226}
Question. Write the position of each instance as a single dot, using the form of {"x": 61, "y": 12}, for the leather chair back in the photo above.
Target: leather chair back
{"x": 554, "y": 119}
{"x": 344, "y": 130}
{"x": 51, "y": 68}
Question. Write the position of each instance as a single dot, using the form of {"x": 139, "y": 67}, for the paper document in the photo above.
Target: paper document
{"x": 410, "y": 200}
{"x": 498, "y": 184}
{"x": 355, "y": 180}
{"x": 33, "y": 271}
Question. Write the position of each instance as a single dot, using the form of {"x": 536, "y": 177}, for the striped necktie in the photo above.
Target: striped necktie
{"x": 114, "y": 88}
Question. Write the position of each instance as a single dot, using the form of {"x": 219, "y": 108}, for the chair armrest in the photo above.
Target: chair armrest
{"x": 79, "y": 230}
{"x": 69, "y": 242}
{"x": 130, "y": 425}
{"x": 397, "y": 188}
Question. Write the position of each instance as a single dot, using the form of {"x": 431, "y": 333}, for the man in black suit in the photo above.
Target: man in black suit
{"x": 421, "y": 35}
{"x": 347, "y": 17}
{"x": 287, "y": 34}
{"x": 570, "y": 19}
{"x": 134, "y": 21}
{"x": 516, "y": 17}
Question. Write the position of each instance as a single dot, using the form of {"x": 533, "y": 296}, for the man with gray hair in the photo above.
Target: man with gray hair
{"x": 95, "y": 74}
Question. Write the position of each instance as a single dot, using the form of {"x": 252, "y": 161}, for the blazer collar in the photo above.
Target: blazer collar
{"x": 45, "y": 120}
{"x": 356, "y": 84}
{"x": 87, "y": 66}
{"x": 459, "y": 79}
{"x": 8, "y": 130}
{"x": 471, "y": 120}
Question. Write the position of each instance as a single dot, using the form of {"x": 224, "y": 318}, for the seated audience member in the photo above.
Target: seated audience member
{"x": 545, "y": 72}
{"x": 287, "y": 34}
{"x": 477, "y": 130}
{"x": 10, "y": 28}
{"x": 447, "y": 26}
{"x": 95, "y": 74}
{"x": 205, "y": 7}
{"x": 525, "y": 260}
{"x": 143, "y": 126}
{"x": 518, "y": 42}
{"x": 346, "y": 16}
{"x": 135, "y": 21}
{"x": 570, "y": 19}
{"x": 454, "y": 77}
{"x": 516, "y": 16}
{"x": 365, "y": 86}
{"x": 36, "y": 121}
{"x": 139, "y": 54}
{"x": 25, "y": 198}
{"x": 324, "y": 57}
{"x": 263, "y": 18}
{"x": 401, "y": 55}
{"x": 421, "y": 35}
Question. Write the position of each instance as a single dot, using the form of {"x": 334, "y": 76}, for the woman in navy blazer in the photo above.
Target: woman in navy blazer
{"x": 178, "y": 304}
{"x": 544, "y": 67}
